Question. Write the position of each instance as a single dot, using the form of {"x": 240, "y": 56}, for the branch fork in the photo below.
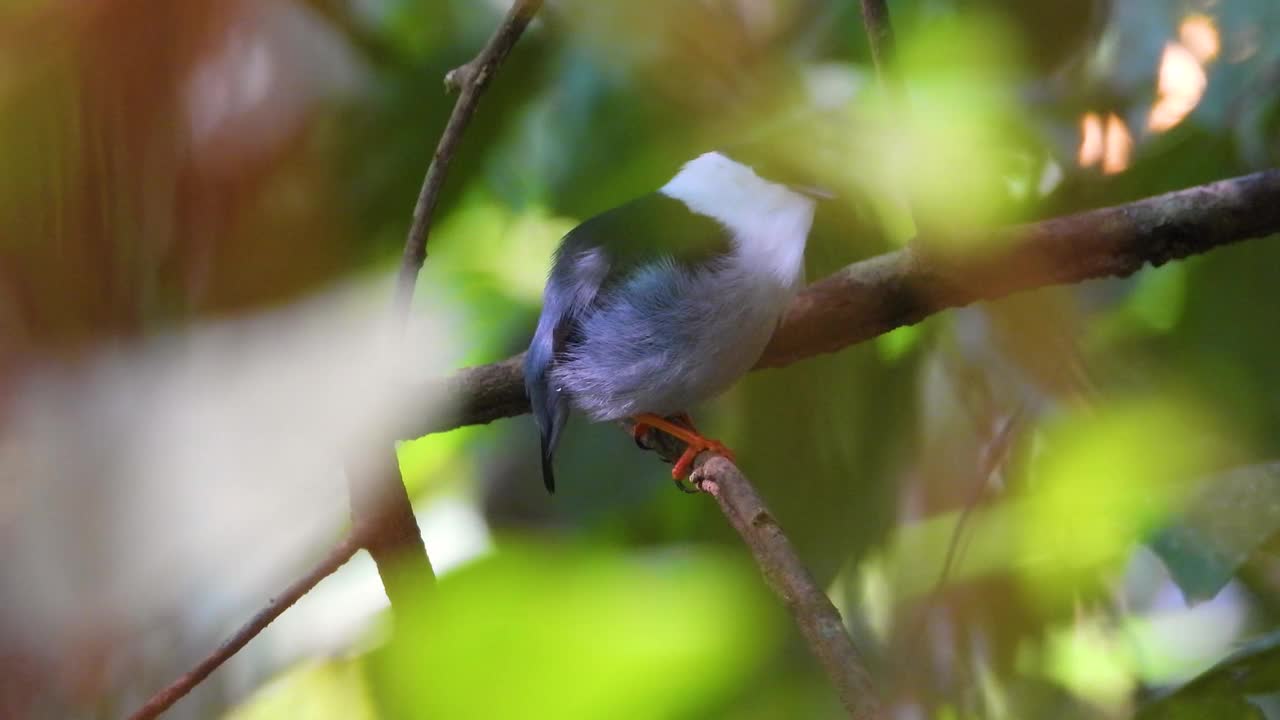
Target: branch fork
{"x": 381, "y": 515}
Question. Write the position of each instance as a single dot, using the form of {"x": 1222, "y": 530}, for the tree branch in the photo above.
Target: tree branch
{"x": 875, "y": 15}
{"x": 382, "y": 521}
{"x": 471, "y": 80}
{"x": 164, "y": 699}
{"x": 783, "y": 571}
{"x": 381, "y": 513}
{"x": 872, "y": 297}
{"x": 786, "y": 575}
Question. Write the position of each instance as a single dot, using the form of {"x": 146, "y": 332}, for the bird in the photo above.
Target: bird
{"x": 665, "y": 301}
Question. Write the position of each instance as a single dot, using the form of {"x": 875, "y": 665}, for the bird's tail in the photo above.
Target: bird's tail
{"x": 551, "y": 414}
{"x": 550, "y": 407}
{"x": 548, "y": 471}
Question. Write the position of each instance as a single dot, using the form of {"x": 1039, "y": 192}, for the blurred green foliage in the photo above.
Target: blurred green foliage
{"x": 1137, "y": 389}
{"x": 986, "y": 581}
{"x": 560, "y": 631}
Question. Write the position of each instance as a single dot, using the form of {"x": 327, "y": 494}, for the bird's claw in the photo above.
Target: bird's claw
{"x": 684, "y": 465}
{"x": 687, "y": 488}
{"x": 640, "y": 434}
{"x": 680, "y": 427}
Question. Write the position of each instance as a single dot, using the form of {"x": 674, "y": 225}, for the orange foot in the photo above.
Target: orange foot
{"x": 694, "y": 442}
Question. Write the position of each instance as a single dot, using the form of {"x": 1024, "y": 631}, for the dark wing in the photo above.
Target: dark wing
{"x": 643, "y": 231}
{"x": 593, "y": 257}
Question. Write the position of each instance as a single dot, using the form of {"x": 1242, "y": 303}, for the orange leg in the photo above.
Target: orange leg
{"x": 638, "y": 432}
{"x": 694, "y": 441}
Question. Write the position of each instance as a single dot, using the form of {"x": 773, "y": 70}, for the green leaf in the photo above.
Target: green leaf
{"x": 1231, "y": 516}
{"x": 554, "y": 631}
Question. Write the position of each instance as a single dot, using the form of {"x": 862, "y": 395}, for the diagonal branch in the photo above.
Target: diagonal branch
{"x": 382, "y": 517}
{"x": 470, "y": 80}
{"x": 785, "y": 574}
{"x": 875, "y": 15}
{"x": 381, "y": 513}
{"x": 790, "y": 580}
{"x": 872, "y": 297}
{"x": 164, "y": 699}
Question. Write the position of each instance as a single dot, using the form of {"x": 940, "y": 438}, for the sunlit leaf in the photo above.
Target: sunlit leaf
{"x": 542, "y": 631}
{"x": 1094, "y": 663}
{"x": 1108, "y": 478}
{"x": 1232, "y": 514}
{"x": 893, "y": 345}
{"x": 430, "y": 461}
{"x": 1105, "y": 480}
{"x": 507, "y": 249}
{"x": 949, "y": 155}
{"x": 1160, "y": 296}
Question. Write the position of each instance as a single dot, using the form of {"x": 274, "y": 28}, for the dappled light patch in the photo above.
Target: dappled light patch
{"x": 1182, "y": 77}
{"x": 942, "y": 154}
{"x": 1105, "y": 480}
{"x": 1104, "y": 142}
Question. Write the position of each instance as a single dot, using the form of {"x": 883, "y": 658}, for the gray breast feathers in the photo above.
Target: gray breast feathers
{"x": 669, "y": 339}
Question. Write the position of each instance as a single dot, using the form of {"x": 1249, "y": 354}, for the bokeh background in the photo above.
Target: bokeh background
{"x": 1059, "y": 505}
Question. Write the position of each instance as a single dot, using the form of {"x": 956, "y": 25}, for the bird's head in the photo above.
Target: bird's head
{"x": 725, "y": 185}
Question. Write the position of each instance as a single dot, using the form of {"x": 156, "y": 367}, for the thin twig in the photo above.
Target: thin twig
{"x": 992, "y": 457}
{"x": 162, "y": 700}
{"x": 786, "y": 575}
{"x": 871, "y": 297}
{"x": 875, "y": 15}
{"x": 819, "y": 621}
{"x": 471, "y": 80}
{"x": 380, "y": 506}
